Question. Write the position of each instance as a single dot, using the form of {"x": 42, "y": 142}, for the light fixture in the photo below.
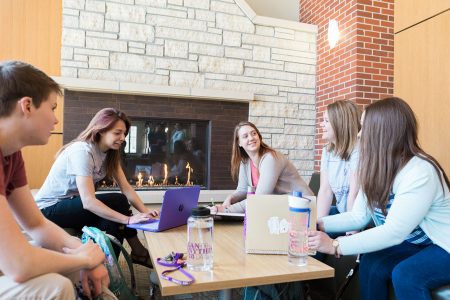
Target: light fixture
{"x": 333, "y": 33}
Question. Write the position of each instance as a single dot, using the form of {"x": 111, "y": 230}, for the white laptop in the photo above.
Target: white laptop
{"x": 267, "y": 223}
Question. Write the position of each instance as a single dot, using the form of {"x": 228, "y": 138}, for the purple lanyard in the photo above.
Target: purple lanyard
{"x": 175, "y": 260}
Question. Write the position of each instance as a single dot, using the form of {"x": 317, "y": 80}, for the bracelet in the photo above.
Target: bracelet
{"x": 128, "y": 221}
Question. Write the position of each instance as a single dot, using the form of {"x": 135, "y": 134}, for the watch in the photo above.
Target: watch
{"x": 335, "y": 244}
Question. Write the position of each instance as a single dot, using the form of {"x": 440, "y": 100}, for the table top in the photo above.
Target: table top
{"x": 232, "y": 267}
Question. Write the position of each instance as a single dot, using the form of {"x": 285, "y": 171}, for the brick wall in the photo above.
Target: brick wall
{"x": 361, "y": 67}
{"x": 211, "y": 44}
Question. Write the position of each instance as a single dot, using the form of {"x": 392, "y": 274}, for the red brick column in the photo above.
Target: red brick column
{"x": 361, "y": 66}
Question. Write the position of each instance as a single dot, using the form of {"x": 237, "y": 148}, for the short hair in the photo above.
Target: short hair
{"x": 18, "y": 80}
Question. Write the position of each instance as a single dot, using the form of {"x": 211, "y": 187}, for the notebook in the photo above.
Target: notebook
{"x": 176, "y": 208}
{"x": 224, "y": 216}
{"x": 267, "y": 223}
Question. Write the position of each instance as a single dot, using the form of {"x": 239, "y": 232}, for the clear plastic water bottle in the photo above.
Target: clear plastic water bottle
{"x": 200, "y": 226}
{"x": 299, "y": 218}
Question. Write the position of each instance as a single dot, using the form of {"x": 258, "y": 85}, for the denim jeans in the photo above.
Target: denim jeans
{"x": 414, "y": 271}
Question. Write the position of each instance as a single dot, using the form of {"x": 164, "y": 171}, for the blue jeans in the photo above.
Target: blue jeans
{"x": 414, "y": 271}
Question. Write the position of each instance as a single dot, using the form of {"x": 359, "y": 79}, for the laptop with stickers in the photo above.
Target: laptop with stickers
{"x": 267, "y": 223}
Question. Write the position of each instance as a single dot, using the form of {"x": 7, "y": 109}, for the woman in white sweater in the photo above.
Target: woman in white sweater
{"x": 406, "y": 193}
{"x": 259, "y": 166}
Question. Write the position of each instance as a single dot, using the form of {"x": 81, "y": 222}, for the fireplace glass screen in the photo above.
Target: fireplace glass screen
{"x": 164, "y": 153}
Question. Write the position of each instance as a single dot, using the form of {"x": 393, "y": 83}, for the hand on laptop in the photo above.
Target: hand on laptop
{"x": 218, "y": 208}
{"x": 227, "y": 202}
{"x": 138, "y": 218}
{"x": 152, "y": 213}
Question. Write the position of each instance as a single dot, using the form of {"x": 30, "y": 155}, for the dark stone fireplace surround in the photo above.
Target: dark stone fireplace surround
{"x": 80, "y": 107}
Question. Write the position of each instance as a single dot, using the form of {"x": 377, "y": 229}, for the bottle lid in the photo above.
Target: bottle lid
{"x": 296, "y": 193}
{"x": 200, "y": 211}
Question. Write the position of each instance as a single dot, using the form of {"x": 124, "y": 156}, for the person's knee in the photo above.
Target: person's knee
{"x": 120, "y": 203}
{"x": 55, "y": 286}
{"x": 371, "y": 268}
{"x": 403, "y": 277}
{"x": 65, "y": 288}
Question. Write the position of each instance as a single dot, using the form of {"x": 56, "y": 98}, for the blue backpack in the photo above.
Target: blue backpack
{"x": 117, "y": 284}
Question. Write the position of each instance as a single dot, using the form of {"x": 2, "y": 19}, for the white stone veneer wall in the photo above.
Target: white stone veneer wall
{"x": 202, "y": 44}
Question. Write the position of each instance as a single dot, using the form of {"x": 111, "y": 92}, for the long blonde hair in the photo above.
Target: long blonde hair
{"x": 103, "y": 121}
{"x": 239, "y": 155}
{"x": 344, "y": 117}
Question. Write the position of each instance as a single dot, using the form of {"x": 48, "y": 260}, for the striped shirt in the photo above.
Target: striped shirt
{"x": 417, "y": 236}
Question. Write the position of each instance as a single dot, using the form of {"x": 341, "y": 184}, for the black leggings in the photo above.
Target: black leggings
{"x": 70, "y": 213}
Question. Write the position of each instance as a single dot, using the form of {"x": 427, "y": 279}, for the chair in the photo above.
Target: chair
{"x": 342, "y": 265}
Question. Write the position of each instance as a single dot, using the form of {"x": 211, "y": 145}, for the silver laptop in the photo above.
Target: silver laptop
{"x": 267, "y": 223}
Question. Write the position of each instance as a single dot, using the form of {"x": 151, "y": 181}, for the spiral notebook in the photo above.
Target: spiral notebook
{"x": 267, "y": 223}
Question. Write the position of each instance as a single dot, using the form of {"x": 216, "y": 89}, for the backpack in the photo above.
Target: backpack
{"x": 117, "y": 285}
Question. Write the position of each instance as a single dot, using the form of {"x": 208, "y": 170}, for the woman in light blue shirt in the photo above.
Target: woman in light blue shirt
{"x": 339, "y": 161}
{"x": 406, "y": 193}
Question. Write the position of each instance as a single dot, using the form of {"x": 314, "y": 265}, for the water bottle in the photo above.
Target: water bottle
{"x": 200, "y": 227}
{"x": 299, "y": 217}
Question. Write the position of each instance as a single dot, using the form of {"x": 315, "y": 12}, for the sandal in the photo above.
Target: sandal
{"x": 143, "y": 260}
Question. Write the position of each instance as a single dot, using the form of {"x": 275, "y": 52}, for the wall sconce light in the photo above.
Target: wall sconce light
{"x": 333, "y": 33}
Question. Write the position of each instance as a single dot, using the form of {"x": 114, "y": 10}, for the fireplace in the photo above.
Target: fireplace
{"x": 172, "y": 141}
{"x": 162, "y": 153}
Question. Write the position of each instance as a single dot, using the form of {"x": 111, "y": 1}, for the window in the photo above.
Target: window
{"x": 131, "y": 140}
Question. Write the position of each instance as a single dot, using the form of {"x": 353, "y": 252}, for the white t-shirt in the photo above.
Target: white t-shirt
{"x": 79, "y": 159}
{"x": 338, "y": 171}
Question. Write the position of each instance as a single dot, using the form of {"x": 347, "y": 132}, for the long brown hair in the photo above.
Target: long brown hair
{"x": 388, "y": 142}
{"x": 239, "y": 155}
{"x": 344, "y": 118}
{"x": 103, "y": 121}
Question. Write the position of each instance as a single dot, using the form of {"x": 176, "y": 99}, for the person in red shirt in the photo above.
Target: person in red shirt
{"x": 28, "y": 98}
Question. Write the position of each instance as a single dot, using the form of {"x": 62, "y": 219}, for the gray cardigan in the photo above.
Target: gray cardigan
{"x": 277, "y": 176}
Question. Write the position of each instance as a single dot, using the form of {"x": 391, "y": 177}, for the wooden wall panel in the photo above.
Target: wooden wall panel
{"x": 422, "y": 78}
{"x": 408, "y": 12}
{"x": 30, "y": 31}
{"x": 39, "y": 159}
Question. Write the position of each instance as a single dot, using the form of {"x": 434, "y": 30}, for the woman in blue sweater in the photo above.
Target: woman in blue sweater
{"x": 406, "y": 193}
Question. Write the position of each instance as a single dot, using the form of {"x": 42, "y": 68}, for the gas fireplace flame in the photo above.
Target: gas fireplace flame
{"x": 140, "y": 179}
{"x": 145, "y": 179}
{"x": 190, "y": 170}
{"x": 165, "y": 174}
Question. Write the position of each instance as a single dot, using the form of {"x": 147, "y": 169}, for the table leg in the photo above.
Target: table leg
{"x": 225, "y": 294}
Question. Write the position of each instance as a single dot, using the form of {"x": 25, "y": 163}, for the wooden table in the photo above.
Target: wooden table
{"x": 232, "y": 267}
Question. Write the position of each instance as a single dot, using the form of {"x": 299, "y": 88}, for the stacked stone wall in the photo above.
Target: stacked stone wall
{"x": 204, "y": 44}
